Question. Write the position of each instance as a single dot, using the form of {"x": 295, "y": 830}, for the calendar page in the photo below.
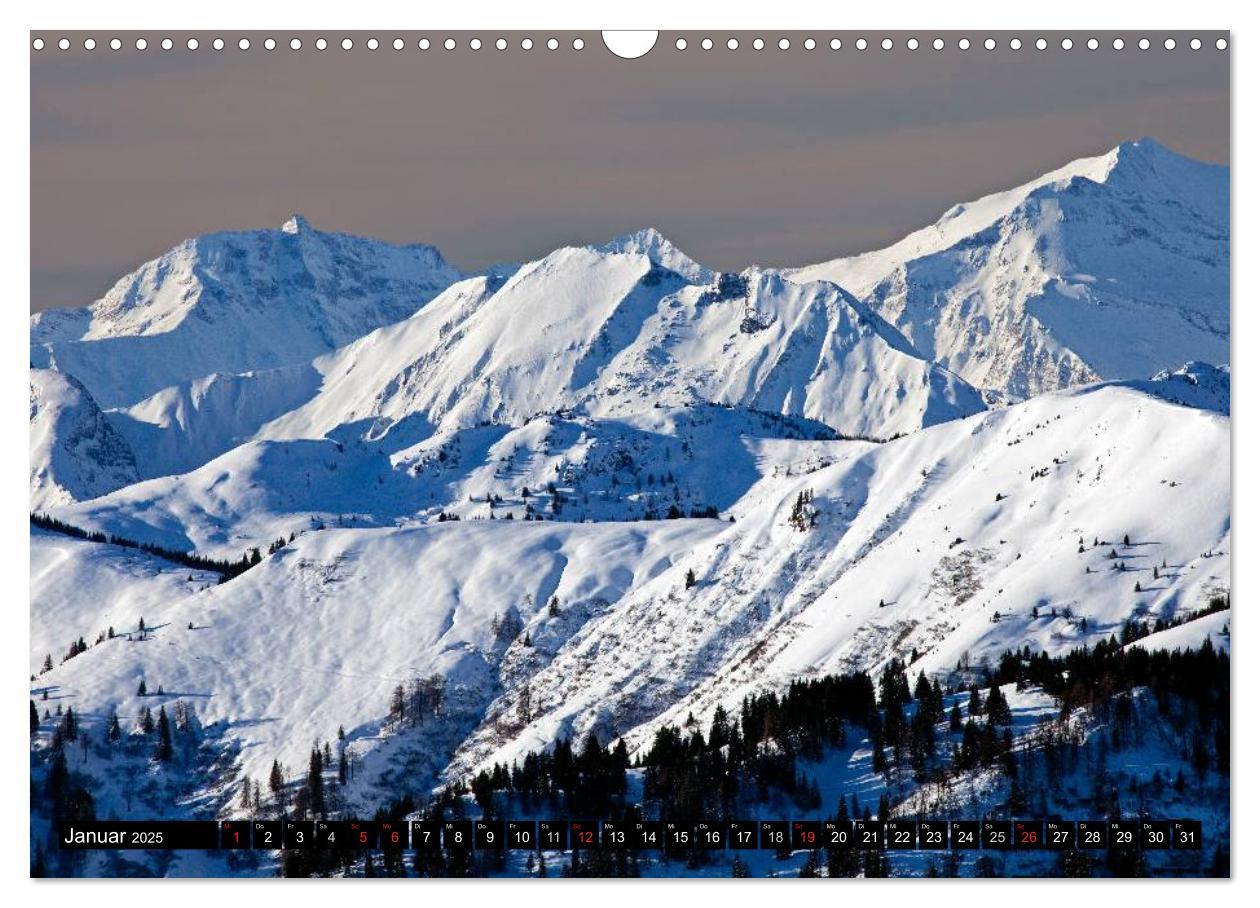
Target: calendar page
{"x": 675, "y": 454}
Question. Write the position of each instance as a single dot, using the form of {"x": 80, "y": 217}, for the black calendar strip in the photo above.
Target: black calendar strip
{"x": 636, "y": 835}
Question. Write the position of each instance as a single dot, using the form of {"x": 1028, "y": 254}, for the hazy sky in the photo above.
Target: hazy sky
{"x": 740, "y": 157}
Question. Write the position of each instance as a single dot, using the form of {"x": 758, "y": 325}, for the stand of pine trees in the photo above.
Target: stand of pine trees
{"x": 225, "y": 569}
{"x": 586, "y": 783}
{"x": 71, "y": 756}
{"x": 755, "y": 756}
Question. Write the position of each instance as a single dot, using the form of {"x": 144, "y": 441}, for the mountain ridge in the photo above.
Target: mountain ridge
{"x": 75, "y": 452}
{"x": 1026, "y": 290}
{"x": 607, "y": 329}
{"x": 235, "y": 301}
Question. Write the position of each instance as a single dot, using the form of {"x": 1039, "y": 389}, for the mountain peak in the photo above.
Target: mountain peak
{"x": 646, "y": 241}
{"x": 1145, "y": 146}
{"x": 1143, "y": 151}
{"x": 1146, "y": 158}
{"x": 296, "y": 224}
{"x": 193, "y": 306}
{"x": 648, "y": 237}
{"x": 657, "y": 248}
{"x": 1079, "y": 253}
{"x": 1146, "y": 143}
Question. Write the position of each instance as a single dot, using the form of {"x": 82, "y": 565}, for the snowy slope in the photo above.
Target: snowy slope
{"x": 186, "y": 425}
{"x": 84, "y": 588}
{"x": 253, "y": 495}
{"x": 1111, "y": 267}
{"x": 839, "y": 494}
{"x": 581, "y": 468}
{"x": 613, "y": 330}
{"x": 74, "y": 451}
{"x": 236, "y": 302}
{"x": 183, "y": 426}
{"x": 1212, "y": 629}
{"x": 573, "y": 469}
{"x": 1200, "y": 385}
{"x": 321, "y": 632}
{"x": 917, "y": 523}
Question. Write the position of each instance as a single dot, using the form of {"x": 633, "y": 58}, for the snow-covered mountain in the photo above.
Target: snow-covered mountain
{"x": 1113, "y": 267}
{"x": 235, "y": 302}
{"x": 957, "y": 542}
{"x": 1199, "y": 385}
{"x": 671, "y": 462}
{"x": 185, "y": 426}
{"x": 612, "y": 488}
{"x": 614, "y": 330}
{"x": 621, "y": 389}
{"x": 75, "y": 453}
{"x": 994, "y": 515}
{"x": 321, "y": 632}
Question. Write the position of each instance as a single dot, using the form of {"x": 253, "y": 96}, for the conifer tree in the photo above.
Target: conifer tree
{"x": 315, "y": 782}
{"x": 163, "y": 751}
{"x": 879, "y": 762}
{"x": 69, "y": 725}
{"x": 276, "y": 783}
{"x": 810, "y": 868}
{"x": 524, "y": 705}
{"x": 938, "y": 700}
{"x": 922, "y": 689}
{"x": 803, "y": 516}
{"x": 996, "y": 708}
{"x": 397, "y": 704}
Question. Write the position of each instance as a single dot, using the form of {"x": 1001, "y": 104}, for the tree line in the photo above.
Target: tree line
{"x": 224, "y": 568}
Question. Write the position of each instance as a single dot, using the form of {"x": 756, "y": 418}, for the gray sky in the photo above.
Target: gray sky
{"x": 740, "y": 157}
